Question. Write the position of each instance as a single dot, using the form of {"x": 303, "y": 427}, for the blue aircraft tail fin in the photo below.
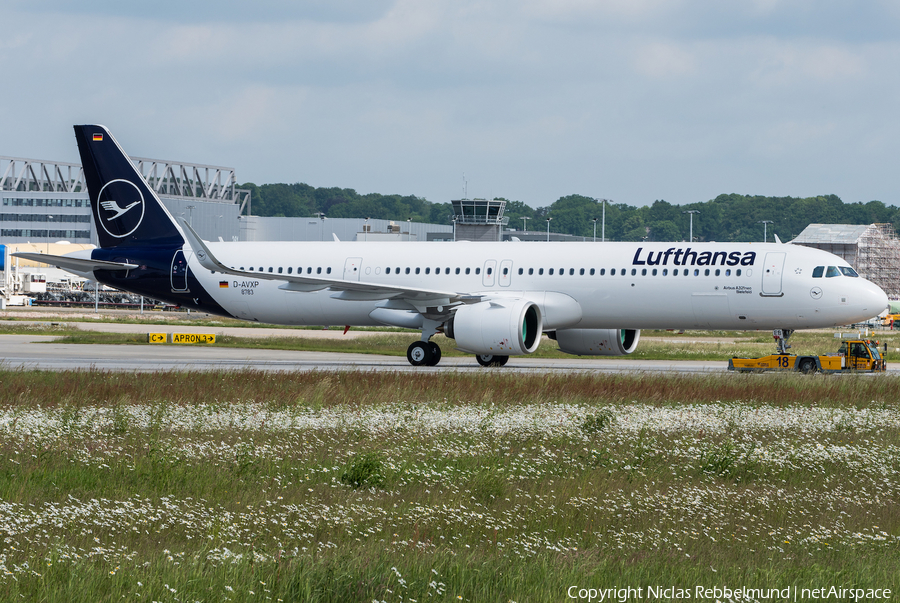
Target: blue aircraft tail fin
{"x": 127, "y": 212}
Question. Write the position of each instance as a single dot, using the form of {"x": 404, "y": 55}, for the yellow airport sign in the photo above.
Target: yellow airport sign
{"x": 193, "y": 338}
{"x": 156, "y": 337}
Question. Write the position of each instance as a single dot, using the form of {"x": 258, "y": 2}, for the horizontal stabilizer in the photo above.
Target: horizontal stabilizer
{"x": 76, "y": 264}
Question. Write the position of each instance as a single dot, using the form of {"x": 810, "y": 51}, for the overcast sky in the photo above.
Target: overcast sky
{"x": 631, "y": 100}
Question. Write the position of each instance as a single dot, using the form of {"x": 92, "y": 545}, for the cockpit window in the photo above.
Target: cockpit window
{"x": 848, "y": 271}
{"x": 818, "y": 271}
{"x": 832, "y": 271}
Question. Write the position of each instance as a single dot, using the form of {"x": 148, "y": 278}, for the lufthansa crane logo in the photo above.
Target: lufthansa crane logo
{"x": 120, "y": 208}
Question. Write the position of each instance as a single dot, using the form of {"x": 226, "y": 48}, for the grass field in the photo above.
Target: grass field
{"x": 368, "y": 487}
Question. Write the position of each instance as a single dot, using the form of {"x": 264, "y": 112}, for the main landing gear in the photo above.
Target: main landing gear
{"x": 491, "y": 360}
{"x": 427, "y": 353}
{"x": 423, "y": 353}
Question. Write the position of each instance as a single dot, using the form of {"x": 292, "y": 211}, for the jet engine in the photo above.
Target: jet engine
{"x": 499, "y": 327}
{"x": 597, "y": 342}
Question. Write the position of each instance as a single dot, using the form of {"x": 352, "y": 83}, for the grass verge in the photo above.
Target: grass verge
{"x": 366, "y": 486}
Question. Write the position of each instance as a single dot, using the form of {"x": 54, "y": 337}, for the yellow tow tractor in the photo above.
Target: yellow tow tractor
{"x": 854, "y": 355}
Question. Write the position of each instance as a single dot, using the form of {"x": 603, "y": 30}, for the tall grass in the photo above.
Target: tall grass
{"x": 363, "y": 486}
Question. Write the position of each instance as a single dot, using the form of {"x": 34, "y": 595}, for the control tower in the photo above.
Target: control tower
{"x": 478, "y": 219}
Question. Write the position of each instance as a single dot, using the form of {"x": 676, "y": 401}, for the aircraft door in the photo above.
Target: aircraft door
{"x": 352, "y": 268}
{"x": 488, "y": 276}
{"x": 505, "y": 275}
{"x": 179, "y": 272}
{"x": 772, "y": 270}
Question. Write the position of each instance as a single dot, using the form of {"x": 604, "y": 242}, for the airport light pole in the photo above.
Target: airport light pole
{"x": 190, "y": 209}
{"x": 524, "y": 224}
{"x": 548, "y": 229}
{"x": 594, "y": 220}
{"x": 603, "y": 231}
{"x": 408, "y": 230}
{"x": 765, "y": 223}
{"x": 366, "y": 230}
{"x": 322, "y": 218}
{"x": 691, "y": 212}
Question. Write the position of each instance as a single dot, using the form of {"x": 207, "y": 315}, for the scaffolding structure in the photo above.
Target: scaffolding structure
{"x": 872, "y": 249}
{"x": 878, "y": 257}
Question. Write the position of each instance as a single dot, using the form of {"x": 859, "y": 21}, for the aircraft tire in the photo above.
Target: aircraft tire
{"x": 491, "y": 360}
{"x": 435, "y": 353}
{"x": 419, "y": 353}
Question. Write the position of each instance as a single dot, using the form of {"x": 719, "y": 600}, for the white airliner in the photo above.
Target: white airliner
{"x": 494, "y": 299}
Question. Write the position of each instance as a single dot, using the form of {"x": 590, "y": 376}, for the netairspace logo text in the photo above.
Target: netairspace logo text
{"x": 626, "y": 594}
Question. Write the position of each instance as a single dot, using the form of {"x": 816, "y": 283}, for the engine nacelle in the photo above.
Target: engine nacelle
{"x": 499, "y": 327}
{"x": 598, "y": 342}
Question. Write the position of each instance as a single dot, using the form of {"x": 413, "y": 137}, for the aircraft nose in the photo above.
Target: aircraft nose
{"x": 876, "y": 299}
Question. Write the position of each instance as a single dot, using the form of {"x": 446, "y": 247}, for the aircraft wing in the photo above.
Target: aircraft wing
{"x": 347, "y": 289}
{"x": 70, "y": 263}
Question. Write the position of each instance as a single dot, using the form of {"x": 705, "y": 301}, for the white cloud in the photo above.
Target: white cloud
{"x": 632, "y": 100}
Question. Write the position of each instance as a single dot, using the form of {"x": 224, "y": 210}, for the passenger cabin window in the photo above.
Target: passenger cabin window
{"x": 540, "y": 271}
{"x": 643, "y": 272}
{"x": 737, "y": 272}
{"x": 530, "y": 271}
{"x": 468, "y": 270}
{"x": 572, "y": 272}
{"x": 521, "y": 271}
{"x": 654, "y": 272}
{"x": 279, "y": 269}
{"x": 550, "y": 272}
{"x": 665, "y": 271}
{"x": 417, "y": 271}
{"x": 818, "y": 271}
{"x": 387, "y": 270}
{"x": 319, "y": 270}
{"x": 478, "y": 271}
{"x": 457, "y": 271}
{"x": 407, "y": 270}
{"x": 581, "y": 272}
{"x": 592, "y": 272}
{"x": 290, "y": 269}
{"x": 612, "y": 272}
{"x": 328, "y": 270}
{"x": 602, "y": 271}
{"x": 832, "y": 271}
{"x": 427, "y": 270}
{"x": 506, "y": 271}
{"x": 728, "y": 272}
{"x": 490, "y": 271}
